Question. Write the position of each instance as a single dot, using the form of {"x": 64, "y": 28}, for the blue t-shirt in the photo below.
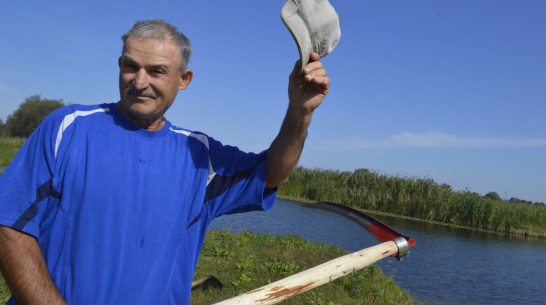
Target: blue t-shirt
{"x": 120, "y": 213}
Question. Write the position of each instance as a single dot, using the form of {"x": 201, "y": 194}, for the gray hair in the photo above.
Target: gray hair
{"x": 159, "y": 29}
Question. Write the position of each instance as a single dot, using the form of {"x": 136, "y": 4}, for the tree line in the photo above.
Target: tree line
{"x": 22, "y": 122}
{"x": 418, "y": 198}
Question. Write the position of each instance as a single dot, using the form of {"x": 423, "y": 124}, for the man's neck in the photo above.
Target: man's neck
{"x": 155, "y": 124}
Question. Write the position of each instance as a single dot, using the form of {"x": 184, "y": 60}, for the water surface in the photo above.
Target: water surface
{"x": 448, "y": 266}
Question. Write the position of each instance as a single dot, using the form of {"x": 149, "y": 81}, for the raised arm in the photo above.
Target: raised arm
{"x": 25, "y": 270}
{"x": 306, "y": 92}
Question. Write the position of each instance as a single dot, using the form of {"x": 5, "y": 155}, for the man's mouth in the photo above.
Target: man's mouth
{"x": 139, "y": 94}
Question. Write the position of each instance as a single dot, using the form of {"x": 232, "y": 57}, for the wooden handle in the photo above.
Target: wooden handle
{"x": 200, "y": 281}
{"x": 314, "y": 277}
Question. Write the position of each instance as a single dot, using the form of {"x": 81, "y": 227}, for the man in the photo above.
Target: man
{"x": 109, "y": 204}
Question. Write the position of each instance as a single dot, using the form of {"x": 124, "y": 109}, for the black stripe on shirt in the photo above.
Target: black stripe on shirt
{"x": 195, "y": 220}
{"x": 220, "y": 184}
{"x": 43, "y": 192}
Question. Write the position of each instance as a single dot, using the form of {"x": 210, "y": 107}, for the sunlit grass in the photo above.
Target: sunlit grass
{"x": 9, "y": 148}
{"x": 245, "y": 261}
{"x": 5, "y": 294}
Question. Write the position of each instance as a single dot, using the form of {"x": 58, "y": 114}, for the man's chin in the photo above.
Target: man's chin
{"x": 137, "y": 108}
{"x": 140, "y": 112}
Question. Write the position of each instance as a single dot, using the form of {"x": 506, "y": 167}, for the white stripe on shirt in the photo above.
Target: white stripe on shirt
{"x": 68, "y": 119}
{"x": 203, "y": 139}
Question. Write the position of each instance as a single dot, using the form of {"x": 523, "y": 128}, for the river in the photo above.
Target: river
{"x": 447, "y": 266}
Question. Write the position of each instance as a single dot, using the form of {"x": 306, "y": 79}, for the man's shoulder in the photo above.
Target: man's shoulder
{"x": 67, "y": 114}
{"x": 79, "y": 109}
{"x": 70, "y": 112}
{"x": 202, "y": 137}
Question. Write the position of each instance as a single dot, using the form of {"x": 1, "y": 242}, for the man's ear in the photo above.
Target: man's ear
{"x": 185, "y": 79}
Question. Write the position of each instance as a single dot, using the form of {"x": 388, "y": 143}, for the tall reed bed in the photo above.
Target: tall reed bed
{"x": 415, "y": 197}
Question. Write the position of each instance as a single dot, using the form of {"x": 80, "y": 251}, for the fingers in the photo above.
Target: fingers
{"x": 314, "y": 56}
{"x": 314, "y": 72}
{"x": 314, "y": 62}
{"x": 313, "y": 75}
{"x": 314, "y": 66}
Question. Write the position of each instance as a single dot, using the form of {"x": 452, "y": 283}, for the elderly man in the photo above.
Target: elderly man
{"x": 109, "y": 204}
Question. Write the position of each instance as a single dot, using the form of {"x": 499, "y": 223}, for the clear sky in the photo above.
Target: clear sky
{"x": 449, "y": 90}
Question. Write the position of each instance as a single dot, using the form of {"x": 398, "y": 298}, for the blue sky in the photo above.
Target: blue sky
{"x": 449, "y": 90}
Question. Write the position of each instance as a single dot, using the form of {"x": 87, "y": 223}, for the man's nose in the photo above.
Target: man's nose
{"x": 141, "y": 81}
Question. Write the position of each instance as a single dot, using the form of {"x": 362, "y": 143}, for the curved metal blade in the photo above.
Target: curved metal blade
{"x": 378, "y": 229}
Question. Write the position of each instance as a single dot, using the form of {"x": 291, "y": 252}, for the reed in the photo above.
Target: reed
{"x": 415, "y": 197}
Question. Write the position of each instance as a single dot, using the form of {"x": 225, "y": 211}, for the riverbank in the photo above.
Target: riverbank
{"x": 246, "y": 261}
{"x": 378, "y": 213}
{"x": 449, "y": 265}
{"x": 421, "y": 199}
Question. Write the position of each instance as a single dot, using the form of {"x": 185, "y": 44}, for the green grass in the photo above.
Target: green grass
{"x": 4, "y": 291}
{"x": 8, "y": 148}
{"x": 246, "y": 261}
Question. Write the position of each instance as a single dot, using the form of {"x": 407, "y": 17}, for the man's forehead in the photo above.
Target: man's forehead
{"x": 139, "y": 47}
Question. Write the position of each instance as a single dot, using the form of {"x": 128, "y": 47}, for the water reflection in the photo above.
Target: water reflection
{"x": 448, "y": 266}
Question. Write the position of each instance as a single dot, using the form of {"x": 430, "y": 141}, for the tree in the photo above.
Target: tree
{"x": 30, "y": 114}
{"x": 493, "y": 196}
{"x": 515, "y": 200}
{"x": 3, "y": 129}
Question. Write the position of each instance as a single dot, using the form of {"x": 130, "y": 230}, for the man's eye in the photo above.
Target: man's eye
{"x": 157, "y": 72}
{"x": 130, "y": 67}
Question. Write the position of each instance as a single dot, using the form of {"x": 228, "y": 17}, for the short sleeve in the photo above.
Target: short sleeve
{"x": 238, "y": 182}
{"x": 27, "y": 181}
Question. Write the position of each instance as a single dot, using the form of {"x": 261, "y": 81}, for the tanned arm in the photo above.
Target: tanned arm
{"x": 306, "y": 92}
{"x": 24, "y": 269}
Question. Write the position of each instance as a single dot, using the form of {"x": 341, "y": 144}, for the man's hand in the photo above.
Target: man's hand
{"x": 306, "y": 92}
{"x": 309, "y": 88}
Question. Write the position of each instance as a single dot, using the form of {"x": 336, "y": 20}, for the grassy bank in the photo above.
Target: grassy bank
{"x": 245, "y": 261}
{"x": 8, "y": 148}
{"x": 416, "y": 198}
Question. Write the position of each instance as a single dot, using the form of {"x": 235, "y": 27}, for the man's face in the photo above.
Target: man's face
{"x": 149, "y": 79}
